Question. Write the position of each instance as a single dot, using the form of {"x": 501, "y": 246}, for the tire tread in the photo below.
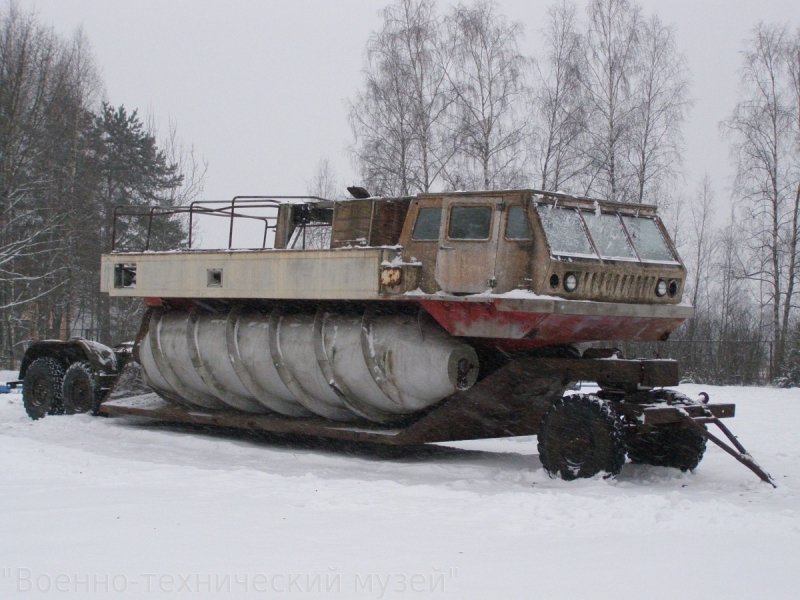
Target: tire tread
{"x": 608, "y": 455}
{"x": 53, "y": 370}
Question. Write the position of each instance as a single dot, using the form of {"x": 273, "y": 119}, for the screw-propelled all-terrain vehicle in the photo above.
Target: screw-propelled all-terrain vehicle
{"x": 402, "y": 321}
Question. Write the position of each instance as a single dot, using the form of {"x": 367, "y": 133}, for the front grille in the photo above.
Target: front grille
{"x": 617, "y": 286}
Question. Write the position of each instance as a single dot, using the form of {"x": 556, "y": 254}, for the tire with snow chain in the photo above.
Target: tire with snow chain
{"x": 41, "y": 388}
{"x": 672, "y": 445}
{"x": 581, "y": 436}
{"x": 80, "y": 391}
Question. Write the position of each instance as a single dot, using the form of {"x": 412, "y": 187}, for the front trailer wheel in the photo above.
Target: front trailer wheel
{"x": 675, "y": 445}
{"x": 41, "y": 388}
{"x": 580, "y": 436}
{"x": 80, "y": 390}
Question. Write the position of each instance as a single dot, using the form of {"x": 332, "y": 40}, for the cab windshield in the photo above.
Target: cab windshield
{"x": 646, "y": 236}
{"x": 609, "y": 236}
{"x": 565, "y": 231}
{"x": 580, "y": 233}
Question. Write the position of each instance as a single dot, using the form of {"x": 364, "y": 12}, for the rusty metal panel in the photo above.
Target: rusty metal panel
{"x": 540, "y": 261}
{"x": 609, "y": 281}
{"x": 669, "y": 414}
{"x": 541, "y": 321}
{"x": 604, "y": 280}
{"x": 284, "y": 226}
{"x": 659, "y": 373}
{"x": 310, "y": 274}
{"x": 611, "y": 372}
{"x": 351, "y": 223}
{"x": 387, "y": 221}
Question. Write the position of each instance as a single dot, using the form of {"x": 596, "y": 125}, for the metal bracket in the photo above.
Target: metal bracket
{"x": 739, "y": 453}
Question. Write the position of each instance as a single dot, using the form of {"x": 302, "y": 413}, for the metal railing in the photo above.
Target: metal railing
{"x": 210, "y": 208}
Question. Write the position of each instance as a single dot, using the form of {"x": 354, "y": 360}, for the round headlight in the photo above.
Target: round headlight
{"x": 673, "y": 288}
{"x": 570, "y": 282}
{"x": 554, "y": 281}
{"x": 661, "y": 288}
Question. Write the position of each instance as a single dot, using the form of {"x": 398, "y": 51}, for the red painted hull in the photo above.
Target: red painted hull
{"x": 516, "y": 324}
{"x": 511, "y": 330}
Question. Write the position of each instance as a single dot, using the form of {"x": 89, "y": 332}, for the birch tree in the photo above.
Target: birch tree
{"x": 558, "y": 108}
{"x": 398, "y": 119}
{"x": 611, "y": 46}
{"x": 43, "y": 85}
{"x": 763, "y": 130}
{"x": 488, "y": 79}
{"x": 701, "y": 232}
{"x": 661, "y": 100}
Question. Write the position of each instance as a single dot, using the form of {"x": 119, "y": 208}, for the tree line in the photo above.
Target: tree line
{"x": 66, "y": 160}
{"x": 743, "y": 264}
{"x": 746, "y": 271}
{"x": 450, "y": 102}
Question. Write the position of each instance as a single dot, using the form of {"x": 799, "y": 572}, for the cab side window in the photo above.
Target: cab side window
{"x": 517, "y": 224}
{"x": 470, "y": 223}
{"x": 427, "y": 226}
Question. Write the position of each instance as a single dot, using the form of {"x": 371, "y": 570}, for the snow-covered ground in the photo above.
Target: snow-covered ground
{"x": 131, "y": 509}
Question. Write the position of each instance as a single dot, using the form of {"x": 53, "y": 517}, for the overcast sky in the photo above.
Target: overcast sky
{"x": 260, "y": 87}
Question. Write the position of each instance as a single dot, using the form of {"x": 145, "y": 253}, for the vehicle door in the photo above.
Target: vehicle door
{"x": 514, "y": 246}
{"x": 465, "y": 261}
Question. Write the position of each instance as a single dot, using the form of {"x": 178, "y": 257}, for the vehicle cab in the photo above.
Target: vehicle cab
{"x": 548, "y": 244}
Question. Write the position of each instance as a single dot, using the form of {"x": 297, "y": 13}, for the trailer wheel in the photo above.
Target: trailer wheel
{"x": 672, "y": 445}
{"x": 41, "y": 388}
{"x": 80, "y": 391}
{"x": 581, "y": 436}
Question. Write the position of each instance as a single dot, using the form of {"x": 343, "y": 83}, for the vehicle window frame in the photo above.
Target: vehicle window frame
{"x": 584, "y": 228}
{"x": 489, "y": 205}
{"x": 660, "y": 231}
{"x": 440, "y": 208}
{"x": 525, "y": 214}
{"x": 635, "y": 255}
